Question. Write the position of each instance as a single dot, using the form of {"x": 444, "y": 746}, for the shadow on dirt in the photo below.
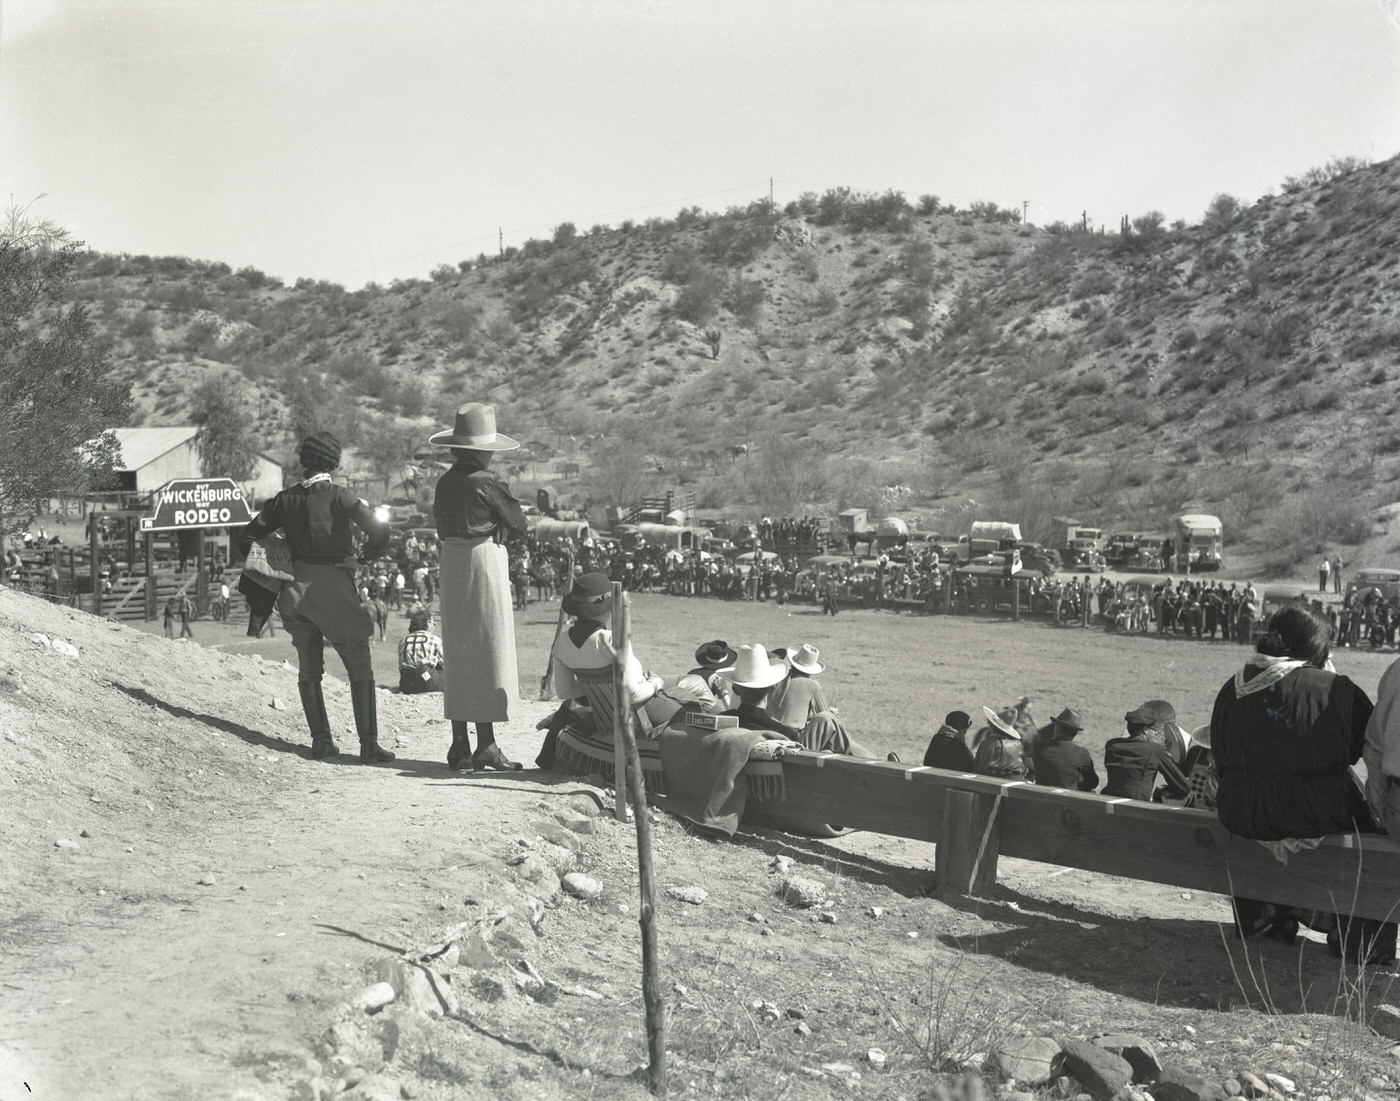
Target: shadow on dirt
{"x": 252, "y": 737}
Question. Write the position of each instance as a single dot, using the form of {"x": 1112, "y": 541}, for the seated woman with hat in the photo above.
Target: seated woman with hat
{"x": 587, "y": 645}
{"x": 754, "y": 676}
{"x": 799, "y": 697}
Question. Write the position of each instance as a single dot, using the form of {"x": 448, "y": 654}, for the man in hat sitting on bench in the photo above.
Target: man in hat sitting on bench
{"x": 1133, "y": 762}
{"x": 754, "y": 676}
{"x": 1059, "y": 763}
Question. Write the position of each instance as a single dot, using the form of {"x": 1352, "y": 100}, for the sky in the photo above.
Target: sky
{"x": 373, "y": 140}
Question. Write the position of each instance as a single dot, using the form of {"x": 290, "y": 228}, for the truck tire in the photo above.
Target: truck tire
{"x": 984, "y": 605}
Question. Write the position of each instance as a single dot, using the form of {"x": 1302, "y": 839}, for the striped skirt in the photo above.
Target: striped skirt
{"x": 480, "y": 679}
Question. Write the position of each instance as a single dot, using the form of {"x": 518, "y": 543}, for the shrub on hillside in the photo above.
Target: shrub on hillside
{"x": 1302, "y": 526}
{"x": 744, "y": 298}
{"x": 701, "y": 296}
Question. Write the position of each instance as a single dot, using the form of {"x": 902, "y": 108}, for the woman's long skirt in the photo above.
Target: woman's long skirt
{"x": 480, "y": 680}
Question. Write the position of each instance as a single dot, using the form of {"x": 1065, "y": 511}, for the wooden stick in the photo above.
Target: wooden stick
{"x": 622, "y": 703}
{"x": 547, "y": 681}
{"x": 651, "y": 961}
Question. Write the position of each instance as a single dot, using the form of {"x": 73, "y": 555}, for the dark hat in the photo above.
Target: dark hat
{"x": 717, "y": 655}
{"x": 1160, "y": 710}
{"x": 1069, "y": 717}
{"x": 475, "y": 430}
{"x": 590, "y": 597}
{"x": 319, "y": 452}
{"x": 958, "y": 720}
{"x": 1140, "y": 717}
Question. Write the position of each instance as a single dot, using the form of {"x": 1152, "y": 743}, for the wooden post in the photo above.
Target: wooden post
{"x": 622, "y": 704}
{"x": 94, "y": 571}
{"x": 1016, "y": 599}
{"x": 201, "y": 573}
{"x": 651, "y": 957}
{"x": 150, "y": 578}
{"x": 965, "y": 860}
{"x": 1084, "y": 611}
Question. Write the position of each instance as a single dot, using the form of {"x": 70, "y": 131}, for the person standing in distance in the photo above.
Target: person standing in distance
{"x": 475, "y": 514}
{"x": 321, "y": 603}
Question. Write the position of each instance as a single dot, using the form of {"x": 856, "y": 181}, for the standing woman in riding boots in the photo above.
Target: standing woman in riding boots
{"x": 475, "y": 514}
{"x": 321, "y": 604}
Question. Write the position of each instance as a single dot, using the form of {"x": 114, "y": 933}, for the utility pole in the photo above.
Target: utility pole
{"x": 1025, "y": 206}
{"x": 500, "y": 242}
{"x": 770, "y": 191}
{"x": 1084, "y": 215}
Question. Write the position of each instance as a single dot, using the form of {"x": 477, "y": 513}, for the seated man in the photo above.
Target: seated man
{"x": 713, "y": 661}
{"x": 1059, "y": 763}
{"x": 754, "y": 676}
{"x": 947, "y": 748}
{"x": 798, "y": 697}
{"x": 1132, "y": 763}
{"x": 999, "y": 752}
{"x": 420, "y": 657}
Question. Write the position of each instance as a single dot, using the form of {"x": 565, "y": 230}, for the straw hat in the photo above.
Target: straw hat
{"x": 475, "y": 430}
{"x": 753, "y": 668}
{"x": 805, "y": 659}
{"x": 1002, "y": 722}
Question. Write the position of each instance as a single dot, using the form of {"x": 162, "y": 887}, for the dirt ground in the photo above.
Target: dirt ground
{"x": 218, "y": 897}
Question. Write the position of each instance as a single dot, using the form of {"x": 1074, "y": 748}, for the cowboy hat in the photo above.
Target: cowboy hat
{"x": 590, "y": 597}
{"x": 1001, "y": 722}
{"x": 753, "y": 668}
{"x": 1201, "y": 736}
{"x": 475, "y": 430}
{"x": 1069, "y": 717}
{"x": 717, "y": 655}
{"x": 804, "y": 659}
{"x": 1161, "y": 710}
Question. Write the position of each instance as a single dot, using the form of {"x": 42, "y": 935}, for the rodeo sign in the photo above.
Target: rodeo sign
{"x": 189, "y": 504}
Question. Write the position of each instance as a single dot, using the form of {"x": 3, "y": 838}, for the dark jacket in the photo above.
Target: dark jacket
{"x": 1059, "y": 763}
{"x": 471, "y": 502}
{"x": 946, "y": 749}
{"x": 1283, "y": 754}
{"x": 1000, "y": 755}
{"x": 318, "y": 521}
{"x": 1132, "y": 765}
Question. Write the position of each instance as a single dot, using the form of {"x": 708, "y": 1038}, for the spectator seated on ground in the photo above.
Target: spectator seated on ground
{"x": 420, "y": 657}
{"x": 754, "y": 676}
{"x": 948, "y": 747}
{"x": 1059, "y": 763}
{"x": 999, "y": 752}
{"x": 1134, "y": 762}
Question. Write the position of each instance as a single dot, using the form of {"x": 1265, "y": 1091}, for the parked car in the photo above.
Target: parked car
{"x": 1037, "y": 558}
{"x": 1384, "y": 580}
{"x": 1270, "y": 601}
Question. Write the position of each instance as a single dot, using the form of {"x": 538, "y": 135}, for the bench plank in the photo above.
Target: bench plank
{"x": 1171, "y": 845}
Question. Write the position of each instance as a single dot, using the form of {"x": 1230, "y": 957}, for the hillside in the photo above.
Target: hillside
{"x": 860, "y": 341}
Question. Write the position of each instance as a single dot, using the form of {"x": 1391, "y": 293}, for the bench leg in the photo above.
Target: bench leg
{"x": 966, "y": 857}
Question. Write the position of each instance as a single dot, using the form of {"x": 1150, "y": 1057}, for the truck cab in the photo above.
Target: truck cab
{"x": 1200, "y": 540}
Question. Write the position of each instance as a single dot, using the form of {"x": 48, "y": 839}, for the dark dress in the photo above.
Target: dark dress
{"x": 1062, "y": 764}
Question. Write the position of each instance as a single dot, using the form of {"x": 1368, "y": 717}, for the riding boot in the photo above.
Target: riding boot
{"x": 488, "y": 754}
{"x": 459, "y": 755}
{"x": 367, "y": 722}
{"x": 314, "y": 706}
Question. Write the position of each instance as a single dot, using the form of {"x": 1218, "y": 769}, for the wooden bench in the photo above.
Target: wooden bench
{"x": 975, "y": 819}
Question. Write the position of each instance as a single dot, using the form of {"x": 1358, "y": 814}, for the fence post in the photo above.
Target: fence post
{"x": 965, "y": 859}
{"x": 622, "y": 704}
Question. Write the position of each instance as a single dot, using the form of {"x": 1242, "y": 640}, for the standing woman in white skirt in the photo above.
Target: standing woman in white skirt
{"x": 475, "y": 514}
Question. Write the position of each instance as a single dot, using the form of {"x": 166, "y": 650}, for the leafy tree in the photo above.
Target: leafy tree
{"x": 387, "y": 446}
{"x": 59, "y": 398}
{"x": 788, "y": 475}
{"x": 227, "y": 441}
{"x": 619, "y": 473}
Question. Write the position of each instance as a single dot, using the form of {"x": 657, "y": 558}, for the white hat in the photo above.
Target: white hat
{"x": 1201, "y": 735}
{"x": 805, "y": 659}
{"x": 1004, "y": 725}
{"x": 753, "y": 668}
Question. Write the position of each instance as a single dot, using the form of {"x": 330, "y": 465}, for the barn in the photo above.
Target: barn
{"x": 152, "y": 456}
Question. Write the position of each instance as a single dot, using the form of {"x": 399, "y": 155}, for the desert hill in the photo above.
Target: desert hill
{"x": 862, "y": 342}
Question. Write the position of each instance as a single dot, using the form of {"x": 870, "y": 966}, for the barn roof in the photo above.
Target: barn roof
{"x": 142, "y": 446}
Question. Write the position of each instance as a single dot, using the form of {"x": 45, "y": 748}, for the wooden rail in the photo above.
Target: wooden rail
{"x": 974, "y": 819}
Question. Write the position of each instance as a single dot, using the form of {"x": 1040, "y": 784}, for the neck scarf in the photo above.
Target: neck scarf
{"x": 315, "y": 479}
{"x": 1262, "y": 671}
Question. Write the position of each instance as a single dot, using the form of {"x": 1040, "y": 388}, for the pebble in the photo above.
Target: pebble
{"x": 803, "y": 1028}
{"x": 67, "y": 649}
{"x": 780, "y": 864}
{"x": 875, "y": 1057}
{"x": 757, "y": 918}
{"x": 84, "y": 833}
{"x": 876, "y": 911}
{"x": 65, "y": 843}
{"x": 582, "y": 885}
{"x": 205, "y": 880}
{"x": 1279, "y": 1082}
{"x": 693, "y": 895}
{"x": 277, "y": 704}
{"x": 828, "y": 918}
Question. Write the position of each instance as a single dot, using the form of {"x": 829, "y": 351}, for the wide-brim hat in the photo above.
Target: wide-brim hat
{"x": 1161, "y": 710}
{"x": 1201, "y": 736}
{"x": 717, "y": 655}
{"x": 590, "y": 597}
{"x": 475, "y": 430}
{"x": 753, "y": 668}
{"x": 1002, "y": 724}
{"x": 1069, "y": 717}
{"x": 805, "y": 659}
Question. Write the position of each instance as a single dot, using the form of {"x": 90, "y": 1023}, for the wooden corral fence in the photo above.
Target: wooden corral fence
{"x": 975, "y": 819}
